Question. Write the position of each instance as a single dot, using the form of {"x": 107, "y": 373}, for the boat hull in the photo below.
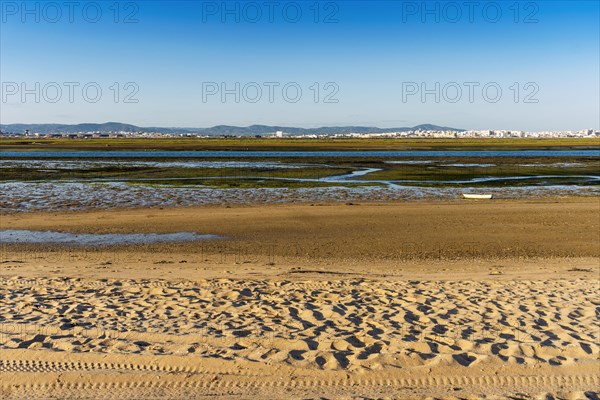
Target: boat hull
{"x": 477, "y": 196}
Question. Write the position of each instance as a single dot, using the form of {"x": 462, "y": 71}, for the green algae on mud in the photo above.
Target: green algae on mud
{"x": 251, "y": 183}
{"x": 316, "y": 172}
{"x": 124, "y": 172}
{"x": 489, "y": 167}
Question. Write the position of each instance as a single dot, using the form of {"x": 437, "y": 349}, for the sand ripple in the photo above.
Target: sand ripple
{"x": 350, "y": 325}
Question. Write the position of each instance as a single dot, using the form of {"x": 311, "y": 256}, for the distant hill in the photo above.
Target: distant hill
{"x": 62, "y": 128}
{"x": 218, "y": 130}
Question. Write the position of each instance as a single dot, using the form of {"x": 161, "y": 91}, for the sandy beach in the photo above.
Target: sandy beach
{"x": 391, "y": 300}
{"x": 300, "y": 200}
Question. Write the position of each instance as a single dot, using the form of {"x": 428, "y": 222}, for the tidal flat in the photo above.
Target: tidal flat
{"x": 49, "y": 180}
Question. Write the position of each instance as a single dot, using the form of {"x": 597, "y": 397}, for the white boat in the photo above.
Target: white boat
{"x": 477, "y": 196}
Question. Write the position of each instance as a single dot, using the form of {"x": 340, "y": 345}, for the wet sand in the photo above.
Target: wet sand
{"x": 409, "y": 300}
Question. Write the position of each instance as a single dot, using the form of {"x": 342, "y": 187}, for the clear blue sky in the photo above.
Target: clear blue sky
{"x": 374, "y": 55}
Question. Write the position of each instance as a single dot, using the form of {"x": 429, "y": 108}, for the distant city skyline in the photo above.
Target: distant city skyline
{"x": 116, "y": 129}
{"x": 531, "y": 66}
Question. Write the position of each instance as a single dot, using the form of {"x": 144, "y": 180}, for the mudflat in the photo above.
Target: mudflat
{"x": 405, "y": 300}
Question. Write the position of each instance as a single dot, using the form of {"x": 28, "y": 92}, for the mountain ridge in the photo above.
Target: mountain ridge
{"x": 217, "y": 130}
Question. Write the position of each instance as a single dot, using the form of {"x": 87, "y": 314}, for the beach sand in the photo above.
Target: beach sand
{"x": 409, "y": 300}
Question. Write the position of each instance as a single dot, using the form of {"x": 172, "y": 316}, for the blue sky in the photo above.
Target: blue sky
{"x": 355, "y": 63}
